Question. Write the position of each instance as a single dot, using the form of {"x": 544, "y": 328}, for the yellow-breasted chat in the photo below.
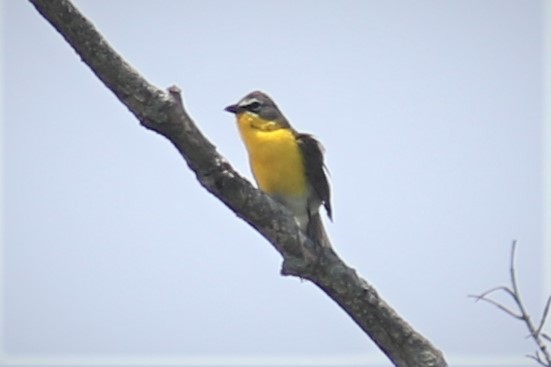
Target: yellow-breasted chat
{"x": 287, "y": 165}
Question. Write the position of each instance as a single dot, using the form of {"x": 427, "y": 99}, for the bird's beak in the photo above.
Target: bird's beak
{"x": 232, "y": 108}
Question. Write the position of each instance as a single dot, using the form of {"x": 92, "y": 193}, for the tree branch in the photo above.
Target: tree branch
{"x": 544, "y": 358}
{"x": 165, "y": 114}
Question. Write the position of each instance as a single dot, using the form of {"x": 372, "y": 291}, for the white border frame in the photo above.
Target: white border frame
{"x": 377, "y": 359}
{"x": 547, "y": 152}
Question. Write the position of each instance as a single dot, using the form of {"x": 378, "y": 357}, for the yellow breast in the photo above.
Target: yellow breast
{"x": 274, "y": 155}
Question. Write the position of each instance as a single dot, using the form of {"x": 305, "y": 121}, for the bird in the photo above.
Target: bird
{"x": 287, "y": 165}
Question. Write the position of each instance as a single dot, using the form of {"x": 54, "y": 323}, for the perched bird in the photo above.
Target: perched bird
{"x": 287, "y": 165}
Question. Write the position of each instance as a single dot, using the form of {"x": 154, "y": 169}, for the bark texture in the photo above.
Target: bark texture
{"x": 163, "y": 112}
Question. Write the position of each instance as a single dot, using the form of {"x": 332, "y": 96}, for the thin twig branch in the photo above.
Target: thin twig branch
{"x": 536, "y": 357}
{"x": 484, "y": 297}
{"x": 544, "y": 358}
{"x": 498, "y": 305}
{"x": 544, "y": 316}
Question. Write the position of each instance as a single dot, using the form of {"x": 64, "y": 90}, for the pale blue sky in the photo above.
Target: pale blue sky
{"x": 431, "y": 114}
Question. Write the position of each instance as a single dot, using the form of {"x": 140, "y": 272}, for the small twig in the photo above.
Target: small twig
{"x": 537, "y": 358}
{"x": 495, "y": 289}
{"x": 498, "y": 305}
{"x": 544, "y": 358}
{"x": 544, "y": 316}
{"x": 484, "y": 297}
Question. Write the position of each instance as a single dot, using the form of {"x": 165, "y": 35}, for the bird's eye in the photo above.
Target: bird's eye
{"x": 254, "y": 106}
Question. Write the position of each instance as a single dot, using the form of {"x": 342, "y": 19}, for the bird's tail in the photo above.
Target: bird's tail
{"x": 316, "y": 231}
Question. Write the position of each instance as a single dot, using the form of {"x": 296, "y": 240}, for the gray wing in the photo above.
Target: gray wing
{"x": 312, "y": 152}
